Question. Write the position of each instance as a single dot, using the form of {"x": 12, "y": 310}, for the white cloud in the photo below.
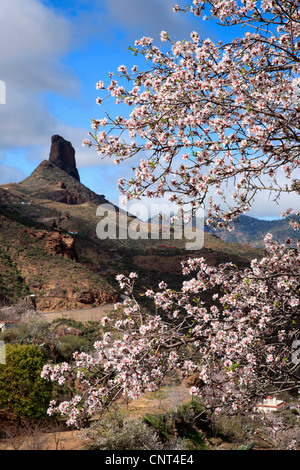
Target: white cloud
{"x": 35, "y": 38}
{"x": 148, "y": 18}
{"x": 33, "y": 42}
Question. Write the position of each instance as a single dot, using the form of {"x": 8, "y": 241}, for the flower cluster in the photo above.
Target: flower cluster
{"x": 229, "y": 111}
{"x": 239, "y": 340}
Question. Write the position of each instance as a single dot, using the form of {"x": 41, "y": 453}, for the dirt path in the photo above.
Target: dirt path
{"x": 88, "y": 314}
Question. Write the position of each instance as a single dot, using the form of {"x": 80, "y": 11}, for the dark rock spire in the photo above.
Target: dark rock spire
{"x": 62, "y": 154}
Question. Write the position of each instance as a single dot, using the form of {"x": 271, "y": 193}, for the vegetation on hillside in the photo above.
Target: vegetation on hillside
{"x": 249, "y": 230}
{"x": 12, "y": 284}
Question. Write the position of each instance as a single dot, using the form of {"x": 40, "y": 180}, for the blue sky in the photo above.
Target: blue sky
{"x": 52, "y": 54}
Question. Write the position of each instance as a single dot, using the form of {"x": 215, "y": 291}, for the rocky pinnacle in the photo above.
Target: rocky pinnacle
{"x": 62, "y": 154}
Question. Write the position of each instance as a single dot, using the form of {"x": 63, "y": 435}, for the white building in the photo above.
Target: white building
{"x": 271, "y": 404}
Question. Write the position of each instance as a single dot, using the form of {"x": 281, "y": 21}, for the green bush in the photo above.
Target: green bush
{"x": 183, "y": 424}
{"x": 22, "y": 390}
{"x": 68, "y": 344}
{"x": 239, "y": 428}
{"x": 36, "y": 332}
{"x": 90, "y": 330}
{"x": 117, "y": 432}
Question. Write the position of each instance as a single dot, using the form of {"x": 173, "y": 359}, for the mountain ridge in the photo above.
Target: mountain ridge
{"x": 247, "y": 230}
{"x": 252, "y": 230}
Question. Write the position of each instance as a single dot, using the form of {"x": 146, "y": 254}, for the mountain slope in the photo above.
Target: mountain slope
{"x": 50, "y": 247}
{"x": 49, "y": 182}
{"x": 56, "y": 279}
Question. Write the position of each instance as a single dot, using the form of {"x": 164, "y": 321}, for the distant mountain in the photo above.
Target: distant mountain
{"x": 252, "y": 231}
{"x": 247, "y": 230}
{"x": 48, "y": 242}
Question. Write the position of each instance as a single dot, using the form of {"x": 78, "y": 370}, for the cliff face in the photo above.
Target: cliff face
{"x": 62, "y": 154}
{"x": 61, "y": 244}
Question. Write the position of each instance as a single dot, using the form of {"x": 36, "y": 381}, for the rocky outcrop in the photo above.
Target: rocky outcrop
{"x": 95, "y": 297}
{"x": 63, "y": 297}
{"x": 58, "y": 243}
{"x": 62, "y": 154}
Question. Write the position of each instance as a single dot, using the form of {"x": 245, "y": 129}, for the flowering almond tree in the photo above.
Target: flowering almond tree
{"x": 205, "y": 115}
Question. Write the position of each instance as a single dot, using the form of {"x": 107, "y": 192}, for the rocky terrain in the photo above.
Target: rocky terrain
{"x": 49, "y": 246}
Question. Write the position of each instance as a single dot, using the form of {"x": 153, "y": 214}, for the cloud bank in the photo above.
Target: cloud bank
{"x": 33, "y": 42}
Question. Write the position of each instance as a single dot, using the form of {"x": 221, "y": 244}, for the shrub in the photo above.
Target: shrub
{"x": 181, "y": 427}
{"x": 68, "y": 344}
{"x": 235, "y": 428}
{"x": 34, "y": 331}
{"x": 117, "y": 432}
{"x": 22, "y": 390}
